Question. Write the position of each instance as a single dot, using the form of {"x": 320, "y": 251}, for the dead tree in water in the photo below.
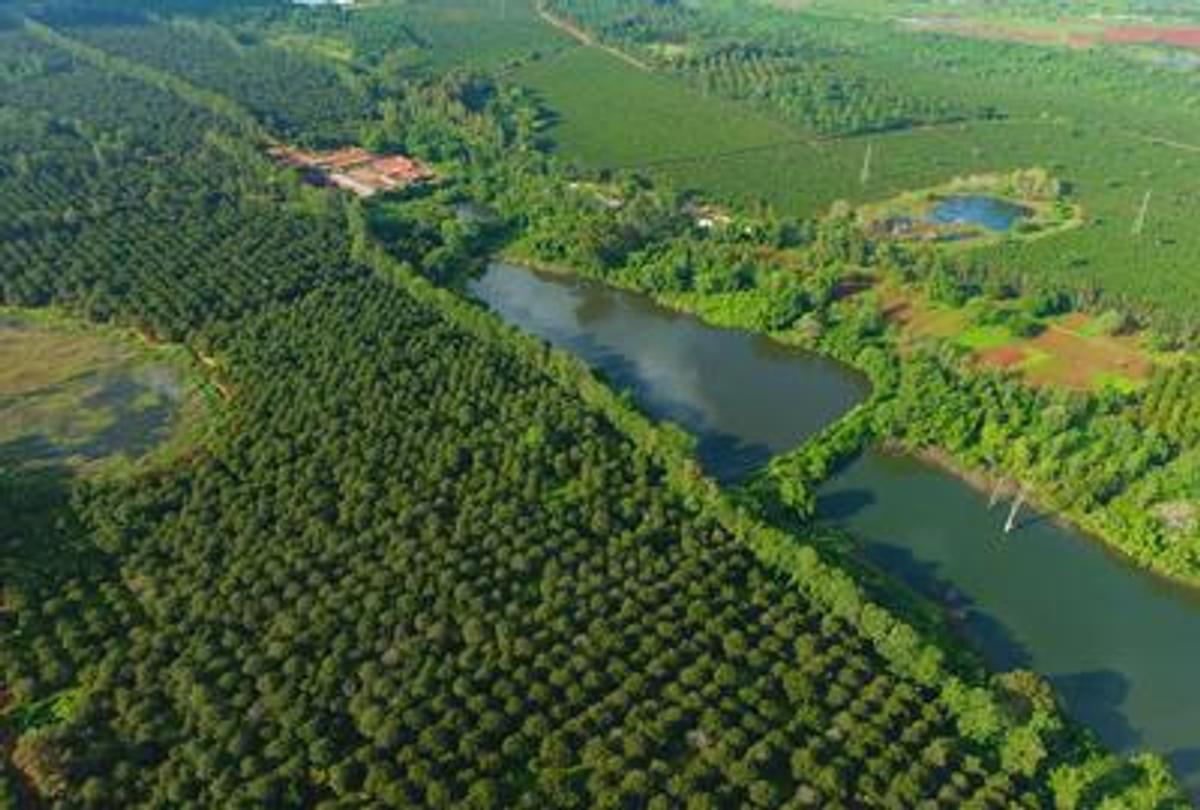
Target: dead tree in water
{"x": 997, "y": 492}
{"x": 1011, "y": 523}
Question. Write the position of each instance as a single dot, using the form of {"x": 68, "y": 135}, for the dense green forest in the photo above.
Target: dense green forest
{"x": 424, "y": 561}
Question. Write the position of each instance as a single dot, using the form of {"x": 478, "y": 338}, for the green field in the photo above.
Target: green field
{"x": 731, "y": 151}
{"x": 480, "y": 33}
{"x": 611, "y": 114}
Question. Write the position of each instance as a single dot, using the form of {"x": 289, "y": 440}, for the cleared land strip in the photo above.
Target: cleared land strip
{"x": 1154, "y": 139}
{"x": 584, "y": 38}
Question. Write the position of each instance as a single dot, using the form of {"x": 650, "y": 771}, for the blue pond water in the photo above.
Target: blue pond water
{"x": 988, "y": 212}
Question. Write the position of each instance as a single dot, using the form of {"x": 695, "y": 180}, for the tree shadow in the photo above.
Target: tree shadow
{"x": 1029, "y": 519}
{"x": 730, "y": 459}
{"x": 1185, "y": 763}
{"x": 30, "y": 451}
{"x": 985, "y": 632}
{"x": 1095, "y": 699}
{"x": 844, "y": 504}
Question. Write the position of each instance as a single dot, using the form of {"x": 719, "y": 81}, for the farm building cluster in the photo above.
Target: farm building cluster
{"x": 355, "y": 169}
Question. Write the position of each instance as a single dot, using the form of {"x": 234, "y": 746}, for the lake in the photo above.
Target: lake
{"x": 988, "y": 212}
{"x": 743, "y": 396}
{"x": 1120, "y": 645}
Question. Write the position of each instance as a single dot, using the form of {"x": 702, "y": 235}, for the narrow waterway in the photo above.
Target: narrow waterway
{"x": 1122, "y": 647}
{"x": 743, "y": 396}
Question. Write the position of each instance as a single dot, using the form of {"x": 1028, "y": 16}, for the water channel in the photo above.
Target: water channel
{"x": 1122, "y": 647}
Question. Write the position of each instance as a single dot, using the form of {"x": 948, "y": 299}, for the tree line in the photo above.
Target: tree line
{"x": 423, "y": 560}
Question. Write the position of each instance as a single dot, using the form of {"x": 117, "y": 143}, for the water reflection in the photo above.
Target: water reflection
{"x": 1117, "y": 643}
{"x": 681, "y": 370}
{"x": 1120, "y": 645}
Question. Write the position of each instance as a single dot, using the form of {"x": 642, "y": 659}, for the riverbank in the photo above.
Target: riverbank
{"x": 906, "y": 650}
{"x": 1084, "y": 524}
{"x": 1109, "y": 532}
{"x": 585, "y": 318}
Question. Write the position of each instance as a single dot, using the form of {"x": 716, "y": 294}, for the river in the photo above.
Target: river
{"x": 1120, "y": 646}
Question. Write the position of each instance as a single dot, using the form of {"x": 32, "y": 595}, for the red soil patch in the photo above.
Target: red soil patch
{"x": 1003, "y": 356}
{"x": 977, "y": 29}
{"x": 1152, "y": 35}
{"x": 1078, "y": 360}
{"x": 1076, "y": 321}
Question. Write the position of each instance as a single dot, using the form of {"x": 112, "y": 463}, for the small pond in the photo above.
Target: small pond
{"x": 987, "y": 212}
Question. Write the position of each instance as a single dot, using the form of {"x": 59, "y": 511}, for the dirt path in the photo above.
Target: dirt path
{"x": 1187, "y": 147}
{"x": 584, "y": 38}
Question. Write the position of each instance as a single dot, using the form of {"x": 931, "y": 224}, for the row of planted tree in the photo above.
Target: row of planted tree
{"x": 425, "y": 560}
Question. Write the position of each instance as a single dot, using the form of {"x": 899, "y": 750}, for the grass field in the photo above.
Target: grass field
{"x": 611, "y": 114}
{"x": 1112, "y": 150}
{"x": 73, "y": 396}
{"x": 483, "y": 33}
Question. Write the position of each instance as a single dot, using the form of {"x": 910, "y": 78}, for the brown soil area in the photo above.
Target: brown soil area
{"x": 1068, "y": 357}
{"x": 1078, "y": 359}
{"x": 1003, "y": 356}
{"x": 1148, "y": 35}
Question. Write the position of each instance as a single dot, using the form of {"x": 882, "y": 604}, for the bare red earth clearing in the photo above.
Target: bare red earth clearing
{"x": 1152, "y": 35}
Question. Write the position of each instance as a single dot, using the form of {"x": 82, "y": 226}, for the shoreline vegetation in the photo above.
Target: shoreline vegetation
{"x": 801, "y": 561}
{"x": 1091, "y": 526}
{"x": 1044, "y": 206}
{"x": 1009, "y": 718}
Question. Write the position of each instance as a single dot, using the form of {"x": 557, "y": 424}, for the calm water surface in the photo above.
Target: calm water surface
{"x": 745, "y": 397}
{"x": 989, "y": 212}
{"x": 1122, "y": 647}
